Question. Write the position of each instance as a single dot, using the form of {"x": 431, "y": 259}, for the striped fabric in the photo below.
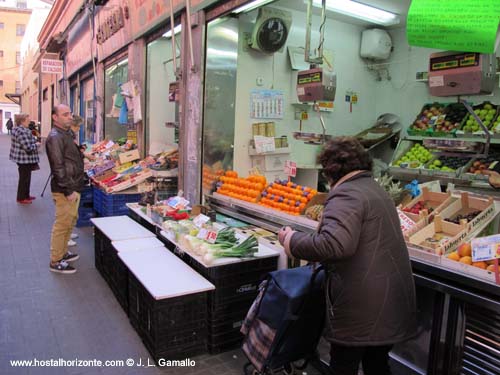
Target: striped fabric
{"x": 259, "y": 336}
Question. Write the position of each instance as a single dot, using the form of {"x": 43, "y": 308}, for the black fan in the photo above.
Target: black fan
{"x": 271, "y": 35}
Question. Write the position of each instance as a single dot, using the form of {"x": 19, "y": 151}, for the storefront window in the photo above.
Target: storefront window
{"x": 116, "y": 121}
{"x": 88, "y": 111}
{"x": 162, "y": 114}
{"x": 220, "y": 97}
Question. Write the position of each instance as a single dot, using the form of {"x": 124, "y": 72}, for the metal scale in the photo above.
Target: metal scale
{"x": 315, "y": 84}
{"x": 463, "y": 73}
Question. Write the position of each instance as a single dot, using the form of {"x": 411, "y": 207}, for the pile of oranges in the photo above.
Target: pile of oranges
{"x": 210, "y": 176}
{"x": 464, "y": 255}
{"x": 247, "y": 189}
{"x": 287, "y": 196}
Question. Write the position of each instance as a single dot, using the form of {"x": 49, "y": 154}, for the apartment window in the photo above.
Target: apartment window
{"x": 45, "y": 94}
{"x": 1, "y": 53}
{"x": 1, "y": 83}
{"x": 8, "y": 114}
{"x": 20, "y": 29}
{"x": 2, "y": 25}
{"x": 22, "y": 4}
{"x": 18, "y": 87}
{"x": 18, "y": 58}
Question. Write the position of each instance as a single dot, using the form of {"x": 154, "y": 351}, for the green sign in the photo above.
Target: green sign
{"x": 456, "y": 25}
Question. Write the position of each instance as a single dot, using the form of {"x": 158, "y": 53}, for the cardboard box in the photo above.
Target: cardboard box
{"x": 128, "y": 156}
{"x": 453, "y": 235}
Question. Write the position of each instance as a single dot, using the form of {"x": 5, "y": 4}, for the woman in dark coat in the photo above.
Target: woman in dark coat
{"x": 370, "y": 289}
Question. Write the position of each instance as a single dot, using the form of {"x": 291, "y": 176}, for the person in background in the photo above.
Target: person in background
{"x": 9, "y": 126}
{"x": 24, "y": 152}
{"x": 66, "y": 166}
{"x": 370, "y": 290}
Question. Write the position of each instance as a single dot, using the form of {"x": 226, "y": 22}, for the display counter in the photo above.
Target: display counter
{"x": 459, "y": 314}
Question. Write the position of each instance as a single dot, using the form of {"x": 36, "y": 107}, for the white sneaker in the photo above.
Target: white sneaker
{"x": 74, "y": 235}
{"x": 71, "y": 243}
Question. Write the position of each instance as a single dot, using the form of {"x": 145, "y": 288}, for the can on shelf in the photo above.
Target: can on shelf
{"x": 284, "y": 141}
{"x": 270, "y": 130}
{"x": 262, "y": 129}
{"x": 255, "y": 129}
{"x": 277, "y": 142}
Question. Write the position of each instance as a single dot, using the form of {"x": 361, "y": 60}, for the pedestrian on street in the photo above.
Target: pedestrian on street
{"x": 24, "y": 152}
{"x": 66, "y": 165}
{"x": 370, "y": 292}
{"x": 9, "y": 126}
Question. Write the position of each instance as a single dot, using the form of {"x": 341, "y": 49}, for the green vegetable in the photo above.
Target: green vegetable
{"x": 247, "y": 248}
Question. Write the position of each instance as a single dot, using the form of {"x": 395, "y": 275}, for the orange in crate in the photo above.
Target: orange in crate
{"x": 247, "y": 189}
{"x": 287, "y": 197}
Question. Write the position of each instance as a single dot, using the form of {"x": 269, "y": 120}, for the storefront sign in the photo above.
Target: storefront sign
{"x": 79, "y": 41}
{"x": 112, "y": 23}
{"x": 52, "y": 66}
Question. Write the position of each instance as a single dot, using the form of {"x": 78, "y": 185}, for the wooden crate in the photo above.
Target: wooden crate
{"x": 452, "y": 236}
{"x": 467, "y": 204}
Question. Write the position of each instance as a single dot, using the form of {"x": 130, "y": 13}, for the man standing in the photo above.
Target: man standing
{"x": 66, "y": 166}
{"x": 9, "y": 126}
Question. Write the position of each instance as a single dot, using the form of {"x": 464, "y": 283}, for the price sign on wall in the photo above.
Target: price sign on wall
{"x": 290, "y": 168}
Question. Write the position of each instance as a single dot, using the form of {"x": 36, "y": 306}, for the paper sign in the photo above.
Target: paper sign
{"x": 486, "y": 248}
{"x": 200, "y": 220}
{"x": 207, "y": 235}
{"x": 458, "y": 25}
{"x": 406, "y": 222}
{"x": 290, "y": 168}
{"x": 264, "y": 144}
{"x": 436, "y": 81}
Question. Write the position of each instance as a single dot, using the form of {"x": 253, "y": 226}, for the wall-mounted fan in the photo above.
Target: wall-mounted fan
{"x": 271, "y": 30}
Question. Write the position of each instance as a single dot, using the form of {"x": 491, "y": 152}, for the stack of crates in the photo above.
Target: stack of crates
{"x": 113, "y": 204}
{"x": 236, "y": 287}
{"x": 173, "y": 328}
{"x": 86, "y": 208}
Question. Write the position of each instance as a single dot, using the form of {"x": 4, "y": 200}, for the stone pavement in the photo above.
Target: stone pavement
{"x": 47, "y": 316}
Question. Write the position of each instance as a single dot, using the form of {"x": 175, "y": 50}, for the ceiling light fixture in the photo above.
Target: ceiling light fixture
{"x": 252, "y": 5}
{"x": 177, "y": 30}
{"x": 360, "y": 11}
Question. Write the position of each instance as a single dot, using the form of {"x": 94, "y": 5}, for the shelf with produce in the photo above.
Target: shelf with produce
{"x": 478, "y": 138}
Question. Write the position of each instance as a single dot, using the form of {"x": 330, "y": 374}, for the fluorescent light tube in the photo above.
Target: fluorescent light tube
{"x": 177, "y": 30}
{"x": 361, "y": 11}
{"x": 251, "y": 6}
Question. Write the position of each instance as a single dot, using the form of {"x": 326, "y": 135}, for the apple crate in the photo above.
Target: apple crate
{"x": 440, "y": 236}
{"x": 428, "y": 112}
{"x": 424, "y": 254}
{"x": 467, "y": 205}
{"x": 495, "y": 111}
{"x": 403, "y": 147}
{"x": 436, "y": 201}
{"x": 473, "y": 171}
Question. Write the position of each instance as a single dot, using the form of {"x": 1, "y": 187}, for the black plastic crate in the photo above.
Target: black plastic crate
{"x": 216, "y": 310}
{"x": 170, "y": 328}
{"x": 225, "y": 343}
{"x": 146, "y": 224}
{"x": 99, "y": 243}
{"x": 228, "y": 324}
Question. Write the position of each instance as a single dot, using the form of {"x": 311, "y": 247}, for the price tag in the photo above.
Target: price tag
{"x": 486, "y": 248}
{"x": 211, "y": 236}
{"x": 207, "y": 235}
{"x": 290, "y": 168}
{"x": 200, "y": 220}
{"x": 264, "y": 144}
